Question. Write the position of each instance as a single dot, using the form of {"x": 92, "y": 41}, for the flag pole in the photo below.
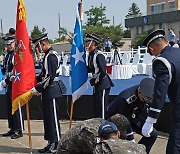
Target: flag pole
{"x": 72, "y": 103}
{"x": 72, "y": 106}
{"x": 80, "y": 10}
{"x": 29, "y": 128}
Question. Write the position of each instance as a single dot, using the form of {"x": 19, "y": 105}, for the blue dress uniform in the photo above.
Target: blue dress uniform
{"x": 167, "y": 75}
{"x": 101, "y": 82}
{"x": 128, "y": 104}
{"x": 48, "y": 85}
{"x": 14, "y": 121}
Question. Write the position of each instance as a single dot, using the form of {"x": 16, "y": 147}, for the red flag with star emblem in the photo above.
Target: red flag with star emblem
{"x": 23, "y": 78}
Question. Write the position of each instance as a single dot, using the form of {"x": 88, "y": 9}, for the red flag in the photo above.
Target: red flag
{"x": 23, "y": 78}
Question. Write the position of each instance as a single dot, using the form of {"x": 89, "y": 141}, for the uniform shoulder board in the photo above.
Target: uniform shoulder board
{"x": 131, "y": 99}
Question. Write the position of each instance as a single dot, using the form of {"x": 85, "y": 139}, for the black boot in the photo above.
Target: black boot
{"x": 46, "y": 148}
{"x": 17, "y": 134}
{"x": 9, "y": 133}
{"x": 52, "y": 148}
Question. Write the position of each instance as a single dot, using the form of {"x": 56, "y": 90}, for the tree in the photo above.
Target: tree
{"x": 134, "y": 11}
{"x": 43, "y": 30}
{"x": 113, "y": 32}
{"x": 65, "y": 35}
{"x": 127, "y": 33}
{"x": 96, "y": 16}
{"x": 36, "y": 31}
{"x": 139, "y": 39}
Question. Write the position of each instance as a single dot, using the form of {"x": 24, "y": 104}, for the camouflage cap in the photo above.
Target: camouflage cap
{"x": 122, "y": 124}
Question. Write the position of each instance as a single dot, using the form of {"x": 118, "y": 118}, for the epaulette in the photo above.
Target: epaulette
{"x": 131, "y": 99}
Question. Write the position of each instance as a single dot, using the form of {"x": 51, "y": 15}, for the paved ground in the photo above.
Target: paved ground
{"x": 20, "y": 146}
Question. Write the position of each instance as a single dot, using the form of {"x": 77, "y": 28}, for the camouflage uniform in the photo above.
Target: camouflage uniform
{"x": 118, "y": 146}
{"x": 80, "y": 139}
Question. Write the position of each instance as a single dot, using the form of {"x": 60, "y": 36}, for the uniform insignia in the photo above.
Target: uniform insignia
{"x": 131, "y": 99}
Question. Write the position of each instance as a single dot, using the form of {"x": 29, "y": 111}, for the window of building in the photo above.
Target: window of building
{"x": 136, "y": 30}
{"x": 157, "y": 8}
{"x": 152, "y": 27}
{"x": 171, "y": 25}
{"x": 179, "y": 26}
{"x": 164, "y": 26}
{"x": 171, "y": 5}
{"x": 143, "y": 28}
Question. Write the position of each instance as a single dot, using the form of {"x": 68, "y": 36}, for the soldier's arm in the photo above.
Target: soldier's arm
{"x": 101, "y": 63}
{"x": 162, "y": 76}
{"x": 52, "y": 63}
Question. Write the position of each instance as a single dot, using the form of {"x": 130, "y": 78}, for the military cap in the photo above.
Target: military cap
{"x": 8, "y": 39}
{"x": 153, "y": 36}
{"x": 39, "y": 38}
{"x": 92, "y": 37}
{"x": 107, "y": 128}
{"x": 147, "y": 87}
{"x": 12, "y": 31}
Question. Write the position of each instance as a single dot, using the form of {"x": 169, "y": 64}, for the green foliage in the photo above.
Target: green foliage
{"x": 1, "y": 45}
{"x": 113, "y": 32}
{"x": 139, "y": 39}
{"x": 127, "y": 33}
{"x": 96, "y": 16}
{"x": 36, "y": 31}
{"x": 64, "y": 35}
{"x": 134, "y": 11}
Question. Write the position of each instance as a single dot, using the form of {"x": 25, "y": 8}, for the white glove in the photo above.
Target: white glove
{"x": 2, "y": 85}
{"x": 34, "y": 91}
{"x": 148, "y": 126}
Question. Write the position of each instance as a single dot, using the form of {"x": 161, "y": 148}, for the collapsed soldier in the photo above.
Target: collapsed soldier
{"x": 82, "y": 138}
{"x": 110, "y": 142}
{"x": 134, "y": 103}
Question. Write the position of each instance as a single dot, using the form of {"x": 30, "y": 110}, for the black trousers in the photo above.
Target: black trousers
{"x": 14, "y": 121}
{"x": 99, "y": 97}
{"x": 52, "y": 132}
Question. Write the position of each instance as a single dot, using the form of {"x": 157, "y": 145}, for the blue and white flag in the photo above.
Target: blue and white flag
{"x": 79, "y": 72}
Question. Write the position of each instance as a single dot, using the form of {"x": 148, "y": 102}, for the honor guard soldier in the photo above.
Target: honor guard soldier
{"x": 100, "y": 80}
{"x": 15, "y": 121}
{"x": 167, "y": 75}
{"x": 48, "y": 85}
{"x": 134, "y": 103}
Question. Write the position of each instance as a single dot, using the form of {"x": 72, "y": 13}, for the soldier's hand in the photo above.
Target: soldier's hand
{"x": 2, "y": 85}
{"x": 34, "y": 91}
{"x": 148, "y": 126}
{"x": 92, "y": 82}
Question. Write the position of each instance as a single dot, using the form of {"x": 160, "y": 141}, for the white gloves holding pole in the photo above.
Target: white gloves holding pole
{"x": 148, "y": 126}
{"x": 34, "y": 91}
{"x": 2, "y": 85}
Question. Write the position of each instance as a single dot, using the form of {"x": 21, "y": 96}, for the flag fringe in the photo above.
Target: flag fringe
{"x": 22, "y": 100}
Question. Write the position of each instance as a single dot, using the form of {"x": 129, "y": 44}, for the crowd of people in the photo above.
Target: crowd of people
{"x": 135, "y": 109}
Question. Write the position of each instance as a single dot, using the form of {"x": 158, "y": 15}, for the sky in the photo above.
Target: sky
{"x": 44, "y": 13}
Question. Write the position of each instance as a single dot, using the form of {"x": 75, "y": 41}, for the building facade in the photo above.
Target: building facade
{"x": 161, "y": 14}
